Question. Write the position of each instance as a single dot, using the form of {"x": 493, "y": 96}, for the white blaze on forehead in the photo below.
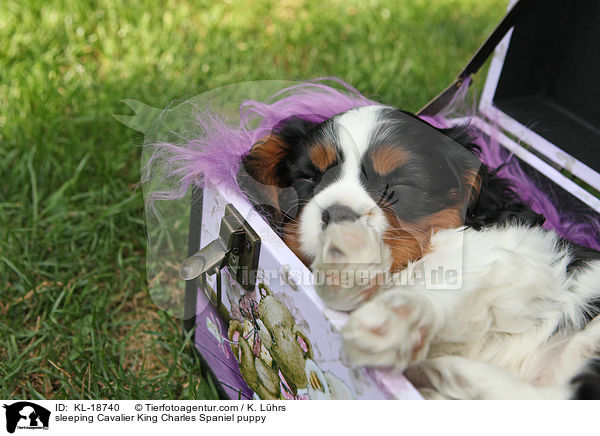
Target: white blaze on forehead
{"x": 354, "y": 130}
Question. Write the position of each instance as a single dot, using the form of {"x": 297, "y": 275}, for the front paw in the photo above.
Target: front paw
{"x": 352, "y": 266}
{"x": 393, "y": 330}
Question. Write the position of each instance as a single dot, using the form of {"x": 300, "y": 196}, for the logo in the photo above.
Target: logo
{"x": 26, "y": 415}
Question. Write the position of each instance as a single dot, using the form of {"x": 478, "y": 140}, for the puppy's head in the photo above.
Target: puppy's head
{"x": 377, "y": 165}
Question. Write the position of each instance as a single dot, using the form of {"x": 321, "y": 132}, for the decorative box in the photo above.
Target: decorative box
{"x": 253, "y": 313}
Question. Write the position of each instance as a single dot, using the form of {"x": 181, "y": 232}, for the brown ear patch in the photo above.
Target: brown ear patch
{"x": 264, "y": 157}
{"x": 260, "y": 176}
{"x": 323, "y": 155}
{"x": 387, "y": 158}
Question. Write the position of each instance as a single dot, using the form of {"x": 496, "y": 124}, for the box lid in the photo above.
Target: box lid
{"x": 542, "y": 89}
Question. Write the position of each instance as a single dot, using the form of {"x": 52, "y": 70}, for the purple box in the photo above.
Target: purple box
{"x": 269, "y": 335}
{"x": 302, "y": 356}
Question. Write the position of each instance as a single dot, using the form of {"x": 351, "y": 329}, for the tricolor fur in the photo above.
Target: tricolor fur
{"x": 523, "y": 323}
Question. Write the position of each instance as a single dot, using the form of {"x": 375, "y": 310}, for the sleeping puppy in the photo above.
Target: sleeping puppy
{"x": 375, "y": 199}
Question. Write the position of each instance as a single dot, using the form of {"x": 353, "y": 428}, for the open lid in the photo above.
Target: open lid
{"x": 542, "y": 89}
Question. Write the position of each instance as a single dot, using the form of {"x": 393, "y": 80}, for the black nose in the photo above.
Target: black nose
{"x": 337, "y": 213}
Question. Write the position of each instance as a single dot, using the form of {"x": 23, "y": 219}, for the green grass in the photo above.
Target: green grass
{"x": 75, "y": 317}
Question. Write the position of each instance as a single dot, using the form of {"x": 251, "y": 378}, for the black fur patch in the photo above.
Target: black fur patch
{"x": 497, "y": 202}
{"x": 432, "y": 179}
{"x": 587, "y": 383}
{"x": 297, "y": 177}
{"x": 580, "y": 256}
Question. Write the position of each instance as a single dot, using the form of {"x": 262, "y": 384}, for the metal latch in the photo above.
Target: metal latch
{"x": 237, "y": 248}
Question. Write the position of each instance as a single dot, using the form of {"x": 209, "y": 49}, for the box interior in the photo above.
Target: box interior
{"x": 549, "y": 81}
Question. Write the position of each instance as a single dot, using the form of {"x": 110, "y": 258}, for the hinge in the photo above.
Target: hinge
{"x": 237, "y": 248}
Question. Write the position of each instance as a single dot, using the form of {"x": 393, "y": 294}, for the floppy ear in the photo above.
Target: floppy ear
{"x": 493, "y": 199}
{"x": 497, "y": 202}
{"x": 269, "y": 159}
{"x": 266, "y": 161}
{"x": 264, "y": 172}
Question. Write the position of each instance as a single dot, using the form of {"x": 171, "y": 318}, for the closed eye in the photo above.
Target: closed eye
{"x": 315, "y": 178}
{"x": 405, "y": 185}
{"x": 387, "y": 196}
{"x": 401, "y": 181}
{"x": 307, "y": 180}
{"x": 392, "y": 194}
{"x": 307, "y": 177}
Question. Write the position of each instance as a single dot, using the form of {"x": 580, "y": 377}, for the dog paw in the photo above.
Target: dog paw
{"x": 352, "y": 265}
{"x": 394, "y": 330}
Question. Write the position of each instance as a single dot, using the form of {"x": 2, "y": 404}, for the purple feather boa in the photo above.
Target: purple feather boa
{"x": 215, "y": 155}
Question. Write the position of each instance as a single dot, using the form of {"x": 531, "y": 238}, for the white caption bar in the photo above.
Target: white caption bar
{"x": 335, "y": 418}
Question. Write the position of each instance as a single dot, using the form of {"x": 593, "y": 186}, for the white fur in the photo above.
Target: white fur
{"x": 514, "y": 329}
{"x": 354, "y": 129}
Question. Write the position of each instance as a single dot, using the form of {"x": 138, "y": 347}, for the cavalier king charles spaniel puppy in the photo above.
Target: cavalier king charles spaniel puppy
{"x": 375, "y": 198}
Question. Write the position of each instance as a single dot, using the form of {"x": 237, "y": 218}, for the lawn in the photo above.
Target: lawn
{"x": 76, "y": 320}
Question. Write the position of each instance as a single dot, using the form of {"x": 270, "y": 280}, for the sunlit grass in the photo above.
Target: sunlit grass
{"x": 75, "y": 317}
